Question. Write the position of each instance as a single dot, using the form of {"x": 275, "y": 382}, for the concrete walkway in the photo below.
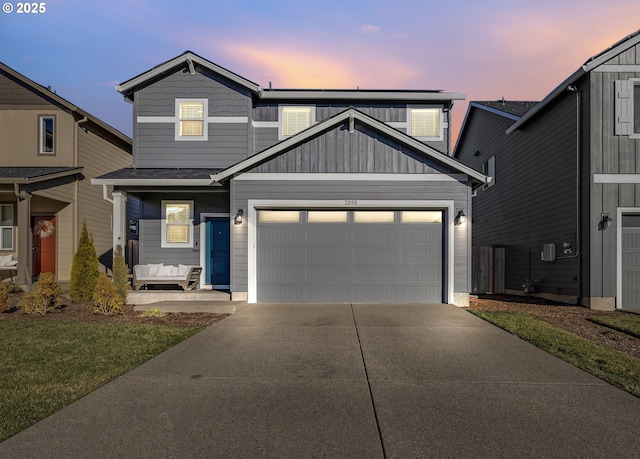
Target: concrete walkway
{"x": 345, "y": 381}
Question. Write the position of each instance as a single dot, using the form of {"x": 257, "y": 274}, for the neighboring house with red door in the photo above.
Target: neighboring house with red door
{"x": 561, "y": 217}
{"x": 49, "y": 148}
{"x": 311, "y": 195}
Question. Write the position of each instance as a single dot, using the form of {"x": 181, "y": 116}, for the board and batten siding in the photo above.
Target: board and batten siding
{"x": 228, "y": 142}
{"x": 244, "y": 190}
{"x": 337, "y": 150}
{"x": 609, "y": 154}
{"x": 533, "y": 200}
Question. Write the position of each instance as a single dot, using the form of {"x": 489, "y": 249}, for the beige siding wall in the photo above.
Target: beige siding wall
{"x": 98, "y": 157}
{"x": 19, "y": 138}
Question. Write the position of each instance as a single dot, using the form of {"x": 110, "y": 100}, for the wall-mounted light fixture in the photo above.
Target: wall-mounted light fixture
{"x": 239, "y": 217}
{"x": 605, "y": 222}
{"x": 461, "y": 218}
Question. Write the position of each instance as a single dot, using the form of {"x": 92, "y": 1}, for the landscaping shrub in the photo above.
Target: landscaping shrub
{"x": 106, "y": 299}
{"x": 4, "y": 298}
{"x": 84, "y": 270}
{"x": 47, "y": 296}
{"x": 120, "y": 272}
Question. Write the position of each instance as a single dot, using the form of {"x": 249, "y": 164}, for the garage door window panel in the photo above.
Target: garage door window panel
{"x": 374, "y": 216}
{"x": 327, "y": 216}
{"x": 279, "y": 216}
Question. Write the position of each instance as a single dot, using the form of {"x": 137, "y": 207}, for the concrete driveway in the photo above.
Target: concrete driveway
{"x": 345, "y": 381}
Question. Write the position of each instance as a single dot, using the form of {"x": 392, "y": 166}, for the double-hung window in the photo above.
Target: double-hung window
{"x": 295, "y": 118}
{"x": 46, "y": 135}
{"x": 177, "y": 224}
{"x": 191, "y": 123}
{"x": 425, "y": 123}
{"x": 6, "y": 226}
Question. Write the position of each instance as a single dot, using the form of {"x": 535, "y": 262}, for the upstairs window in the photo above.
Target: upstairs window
{"x": 425, "y": 123}
{"x": 6, "y": 226}
{"x": 191, "y": 117}
{"x": 177, "y": 224}
{"x": 46, "y": 135}
{"x": 294, "y": 119}
{"x": 627, "y": 108}
{"x": 489, "y": 169}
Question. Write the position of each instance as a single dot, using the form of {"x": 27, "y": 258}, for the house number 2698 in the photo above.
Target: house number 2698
{"x": 350, "y": 202}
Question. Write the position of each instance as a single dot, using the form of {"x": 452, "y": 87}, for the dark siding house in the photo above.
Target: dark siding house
{"x": 560, "y": 217}
{"x": 303, "y": 196}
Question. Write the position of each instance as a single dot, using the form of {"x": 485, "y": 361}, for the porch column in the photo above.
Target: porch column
{"x": 24, "y": 239}
{"x": 119, "y": 219}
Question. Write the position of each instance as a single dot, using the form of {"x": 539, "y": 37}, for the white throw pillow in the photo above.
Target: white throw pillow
{"x": 164, "y": 271}
{"x": 5, "y": 259}
{"x": 12, "y": 263}
{"x": 153, "y": 269}
{"x": 183, "y": 270}
{"x": 174, "y": 271}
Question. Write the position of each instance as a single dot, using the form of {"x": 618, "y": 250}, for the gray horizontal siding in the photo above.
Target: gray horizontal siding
{"x": 338, "y": 150}
{"x": 156, "y": 146}
{"x": 533, "y": 201}
{"x": 150, "y": 250}
{"x": 386, "y": 113}
{"x": 340, "y": 190}
{"x": 225, "y": 98}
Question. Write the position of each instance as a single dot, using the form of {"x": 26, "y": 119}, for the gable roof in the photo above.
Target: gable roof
{"x": 349, "y": 115}
{"x": 189, "y": 58}
{"x": 510, "y": 109}
{"x": 593, "y": 62}
{"x": 124, "y": 141}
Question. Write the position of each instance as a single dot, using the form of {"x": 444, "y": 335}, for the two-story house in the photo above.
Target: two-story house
{"x": 561, "y": 216}
{"x": 48, "y": 146}
{"x": 297, "y": 195}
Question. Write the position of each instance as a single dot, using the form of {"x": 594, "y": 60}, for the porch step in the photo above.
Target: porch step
{"x": 140, "y": 297}
{"x": 218, "y": 307}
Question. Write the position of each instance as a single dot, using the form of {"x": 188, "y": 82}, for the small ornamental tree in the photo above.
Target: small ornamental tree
{"x": 120, "y": 273}
{"x": 84, "y": 270}
{"x": 106, "y": 299}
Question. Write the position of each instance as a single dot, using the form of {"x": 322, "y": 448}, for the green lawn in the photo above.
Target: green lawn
{"x": 626, "y": 323}
{"x": 616, "y": 368}
{"x": 46, "y": 366}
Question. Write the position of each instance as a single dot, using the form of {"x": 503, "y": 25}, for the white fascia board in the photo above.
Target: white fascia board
{"x": 363, "y": 95}
{"x": 351, "y": 177}
{"x": 152, "y": 182}
{"x": 617, "y": 48}
{"x": 185, "y": 59}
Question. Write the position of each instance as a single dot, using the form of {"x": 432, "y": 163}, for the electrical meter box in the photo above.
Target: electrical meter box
{"x": 548, "y": 252}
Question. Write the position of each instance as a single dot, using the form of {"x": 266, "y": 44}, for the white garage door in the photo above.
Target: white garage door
{"x": 363, "y": 256}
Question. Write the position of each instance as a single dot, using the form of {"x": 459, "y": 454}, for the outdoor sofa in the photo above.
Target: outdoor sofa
{"x": 187, "y": 277}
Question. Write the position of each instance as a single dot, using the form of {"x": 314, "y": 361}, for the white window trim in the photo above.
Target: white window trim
{"x": 440, "y": 136}
{"x": 281, "y": 136}
{"x": 163, "y": 226}
{"x": 41, "y": 135}
{"x": 205, "y": 121}
{"x": 2, "y": 227}
{"x": 448, "y": 206}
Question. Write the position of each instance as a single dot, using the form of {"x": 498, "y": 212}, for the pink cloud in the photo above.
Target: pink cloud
{"x": 368, "y": 28}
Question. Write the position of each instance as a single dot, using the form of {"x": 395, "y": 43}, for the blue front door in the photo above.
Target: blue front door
{"x": 217, "y": 269}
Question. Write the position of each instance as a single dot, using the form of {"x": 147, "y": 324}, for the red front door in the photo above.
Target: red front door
{"x": 43, "y": 238}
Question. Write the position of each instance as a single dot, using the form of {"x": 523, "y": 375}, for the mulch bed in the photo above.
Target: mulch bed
{"x": 571, "y": 318}
{"x": 83, "y": 312}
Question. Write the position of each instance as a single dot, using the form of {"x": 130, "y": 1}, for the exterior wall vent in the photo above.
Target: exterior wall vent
{"x": 548, "y": 252}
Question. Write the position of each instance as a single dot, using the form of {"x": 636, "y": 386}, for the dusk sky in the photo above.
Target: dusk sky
{"x": 486, "y": 49}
